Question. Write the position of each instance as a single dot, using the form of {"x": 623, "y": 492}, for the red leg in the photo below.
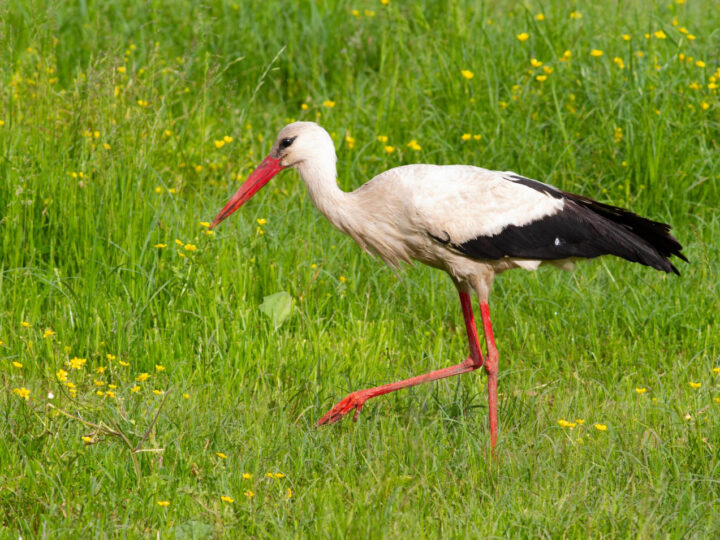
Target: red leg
{"x": 491, "y": 368}
{"x": 356, "y": 400}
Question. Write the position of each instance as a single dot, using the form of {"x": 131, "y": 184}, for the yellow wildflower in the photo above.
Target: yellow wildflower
{"x": 190, "y": 247}
{"x": 158, "y": 392}
{"x": 704, "y": 105}
{"x": 179, "y": 242}
{"x": 22, "y": 392}
{"x": 275, "y": 475}
{"x": 695, "y": 385}
{"x": 121, "y": 69}
{"x": 467, "y": 74}
{"x": 100, "y": 369}
{"x": 123, "y": 364}
{"x": 343, "y": 279}
{"x": 466, "y": 137}
{"x": 541, "y": 78}
{"x": 539, "y": 17}
{"x": 304, "y": 106}
{"x": 225, "y": 498}
{"x": 716, "y": 400}
{"x": 17, "y": 365}
{"x": 382, "y": 138}
{"x": 601, "y": 427}
{"x": 160, "y": 246}
{"x": 619, "y": 62}
{"x": 25, "y": 324}
{"x": 580, "y": 421}
{"x": 86, "y": 439}
{"x": 384, "y": 2}
{"x": 163, "y": 503}
{"x": 329, "y": 104}
{"x": 716, "y": 370}
{"x": 566, "y": 56}
{"x": 534, "y": 62}
{"x": 61, "y": 375}
{"x": 597, "y": 53}
{"x": 524, "y": 36}
{"x": 221, "y": 455}
{"x": 158, "y": 367}
{"x": 142, "y": 103}
{"x": 219, "y": 144}
{"x": 691, "y": 37}
{"x": 389, "y": 149}
{"x": 261, "y": 221}
{"x": 576, "y": 15}
{"x": 249, "y": 494}
{"x": 660, "y": 34}
{"x": 109, "y": 394}
{"x": 135, "y": 389}
{"x": 98, "y": 383}
{"x": 477, "y": 137}
{"x": 700, "y": 64}
{"x": 414, "y": 145}
{"x": 640, "y": 390}
{"x": 548, "y": 70}
{"x": 186, "y": 395}
{"x": 246, "y": 476}
{"x": 77, "y": 363}
{"x": 48, "y": 333}
{"x": 618, "y": 132}
{"x": 228, "y": 139}
{"x": 142, "y": 377}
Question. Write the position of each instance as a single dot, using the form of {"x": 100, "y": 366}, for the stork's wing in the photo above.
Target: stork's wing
{"x": 513, "y": 216}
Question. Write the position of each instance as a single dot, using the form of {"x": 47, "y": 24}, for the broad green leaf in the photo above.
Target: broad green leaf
{"x": 278, "y": 307}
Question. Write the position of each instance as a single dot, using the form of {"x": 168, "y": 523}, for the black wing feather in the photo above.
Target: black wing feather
{"x": 583, "y": 228}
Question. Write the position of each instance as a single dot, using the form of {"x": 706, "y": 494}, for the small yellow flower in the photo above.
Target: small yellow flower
{"x": 382, "y": 138}
{"x": 597, "y": 53}
{"x": 204, "y": 223}
{"x": 158, "y": 392}
{"x": 524, "y": 36}
{"x": 98, "y": 383}
{"x": 304, "y": 106}
{"x": 566, "y": 56}
{"x": 343, "y": 279}
{"x": 219, "y": 144}
{"x": 100, "y": 369}
{"x": 135, "y": 389}
{"x": 142, "y": 377}
{"x": 25, "y": 324}
{"x": 691, "y": 37}
{"x": 660, "y": 34}
{"x": 86, "y": 439}
{"x": 160, "y": 246}
{"x": 695, "y": 385}
{"x": 700, "y": 64}
{"x": 198, "y": 168}
{"x": 158, "y": 367}
{"x": 576, "y": 15}
{"x": 477, "y": 137}
{"x": 225, "y": 498}
{"x": 716, "y": 370}
{"x": 261, "y": 221}
{"x": 110, "y": 394}
{"x": 414, "y": 145}
{"x": 77, "y": 363}
{"x": 329, "y": 104}
{"x": 467, "y": 74}
{"x": 566, "y": 424}
{"x": 275, "y": 475}
{"x": 100, "y": 393}
{"x": 601, "y": 427}
{"x": 466, "y": 137}
{"x": 163, "y": 503}
{"x": 221, "y": 455}
{"x": 142, "y": 103}
{"x": 619, "y": 62}
{"x": 356, "y": 13}
{"x": 121, "y": 69}
{"x": 704, "y": 105}
{"x": 61, "y": 375}
{"x": 17, "y": 365}
{"x": 186, "y": 395}
{"x": 389, "y": 149}
{"x": 541, "y": 78}
{"x": 249, "y": 494}
{"x": 179, "y": 242}
{"x": 190, "y": 247}
{"x": 640, "y": 390}
{"x": 123, "y": 364}
{"x": 384, "y": 2}
{"x": 246, "y": 476}
{"x": 228, "y": 139}
{"x": 48, "y": 333}
{"x": 289, "y": 493}
{"x": 579, "y": 421}
{"x": 539, "y": 17}
{"x": 167, "y": 132}
{"x": 112, "y": 386}
{"x": 22, "y": 392}
{"x": 534, "y": 62}
{"x": 618, "y": 133}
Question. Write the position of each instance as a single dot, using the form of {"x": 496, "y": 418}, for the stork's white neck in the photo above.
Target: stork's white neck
{"x": 320, "y": 176}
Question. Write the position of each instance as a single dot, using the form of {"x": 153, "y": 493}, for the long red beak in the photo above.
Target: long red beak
{"x": 259, "y": 177}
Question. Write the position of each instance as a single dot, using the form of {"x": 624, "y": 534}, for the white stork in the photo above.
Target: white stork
{"x": 473, "y": 223}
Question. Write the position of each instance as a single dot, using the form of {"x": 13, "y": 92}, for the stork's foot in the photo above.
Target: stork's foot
{"x": 354, "y": 401}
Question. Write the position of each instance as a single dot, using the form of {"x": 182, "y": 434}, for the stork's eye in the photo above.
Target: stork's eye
{"x": 286, "y": 142}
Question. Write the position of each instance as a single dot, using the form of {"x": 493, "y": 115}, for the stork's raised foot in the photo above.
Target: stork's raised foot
{"x": 355, "y": 401}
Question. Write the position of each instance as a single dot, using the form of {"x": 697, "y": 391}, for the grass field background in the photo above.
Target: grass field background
{"x": 142, "y": 388}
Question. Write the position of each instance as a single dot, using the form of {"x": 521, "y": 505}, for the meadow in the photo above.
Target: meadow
{"x": 149, "y": 387}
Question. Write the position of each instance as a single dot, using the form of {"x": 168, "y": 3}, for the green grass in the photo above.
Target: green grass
{"x": 77, "y": 256}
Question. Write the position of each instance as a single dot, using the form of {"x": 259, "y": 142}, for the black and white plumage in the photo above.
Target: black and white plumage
{"x": 471, "y": 222}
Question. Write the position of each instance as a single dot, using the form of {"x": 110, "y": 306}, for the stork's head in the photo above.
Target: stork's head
{"x": 296, "y": 144}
